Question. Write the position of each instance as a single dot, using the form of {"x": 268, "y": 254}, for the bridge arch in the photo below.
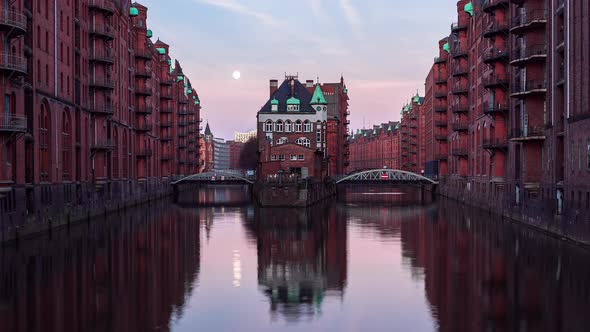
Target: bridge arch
{"x": 383, "y": 175}
{"x": 215, "y": 177}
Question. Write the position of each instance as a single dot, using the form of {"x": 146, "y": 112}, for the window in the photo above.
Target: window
{"x": 268, "y": 127}
{"x": 301, "y": 157}
{"x": 293, "y": 157}
{"x": 273, "y": 158}
{"x": 282, "y": 140}
{"x": 303, "y": 141}
{"x": 307, "y": 126}
{"x": 298, "y": 126}
{"x": 279, "y": 127}
{"x": 319, "y": 136}
{"x": 282, "y": 157}
{"x": 287, "y": 126}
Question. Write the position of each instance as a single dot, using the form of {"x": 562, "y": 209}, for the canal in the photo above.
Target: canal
{"x": 375, "y": 259}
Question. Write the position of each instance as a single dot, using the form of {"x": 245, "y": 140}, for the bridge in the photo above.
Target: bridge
{"x": 215, "y": 177}
{"x": 386, "y": 176}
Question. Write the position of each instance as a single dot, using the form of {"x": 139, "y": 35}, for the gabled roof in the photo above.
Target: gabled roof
{"x": 283, "y": 93}
{"x": 318, "y": 96}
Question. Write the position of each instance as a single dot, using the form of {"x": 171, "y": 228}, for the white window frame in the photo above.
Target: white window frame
{"x": 293, "y": 157}
{"x": 300, "y": 157}
{"x": 288, "y": 126}
{"x": 279, "y": 126}
{"x": 268, "y": 126}
{"x": 298, "y": 126}
{"x": 307, "y": 126}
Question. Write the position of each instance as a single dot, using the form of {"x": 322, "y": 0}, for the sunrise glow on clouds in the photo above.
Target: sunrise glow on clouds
{"x": 384, "y": 48}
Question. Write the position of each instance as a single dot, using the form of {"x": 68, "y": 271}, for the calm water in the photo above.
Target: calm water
{"x": 373, "y": 261}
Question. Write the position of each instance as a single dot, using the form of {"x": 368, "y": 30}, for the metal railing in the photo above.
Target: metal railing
{"x": 13, "y": 62}
{"x": 520, "y": 87}
{"x": 460, "y": 126}
{"x": 495, "y": 27}
{"x": 13, "y": 123}
{"x": 106, "y": 109}
{"x": 529, "y": 17}
{"x": 491, "y": 108}
{"x": 460, "y": 70}
{"x": 102, "y": 5}
{"x": 102, "y": 144}
{"x": 102, "y": 56}
{"x": 495, "y": 143}
{"x": 460, "y": 152}
{"x": 494, "y": 53}
{"x": 13, "y": 19}
{"x": 527, "y": 132}
{"x": 526, "y": 52}
{"x": 102, "y": 30}
{"x": 101, "y": 82}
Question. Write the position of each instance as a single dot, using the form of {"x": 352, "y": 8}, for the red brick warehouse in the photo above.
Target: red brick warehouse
{"x": 94, "y": 110}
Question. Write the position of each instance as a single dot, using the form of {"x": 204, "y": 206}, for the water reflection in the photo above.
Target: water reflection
{"x": 130, "y": 272}
{"x": 301, "y": 258}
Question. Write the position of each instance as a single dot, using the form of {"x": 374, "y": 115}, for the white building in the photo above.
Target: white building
{"x": 244, "y": 137}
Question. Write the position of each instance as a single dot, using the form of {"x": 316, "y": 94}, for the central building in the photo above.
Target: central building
{"x": 293, "y": 130}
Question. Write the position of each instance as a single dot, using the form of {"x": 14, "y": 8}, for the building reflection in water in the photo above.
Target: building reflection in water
{"x": 483, "y": 274}
{"x": 302, "y": 258}
{"x": 130, "y": 272}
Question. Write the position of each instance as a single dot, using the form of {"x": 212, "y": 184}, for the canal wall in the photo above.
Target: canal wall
{"x": 572, "y": 224}
{"x": 292, "y": 194}
{"x": 42, "y": 208}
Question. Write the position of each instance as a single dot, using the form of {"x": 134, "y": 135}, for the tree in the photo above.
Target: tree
{"x": 249, "y": 155}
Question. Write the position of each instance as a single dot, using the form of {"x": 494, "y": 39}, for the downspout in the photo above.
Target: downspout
{"x": 567, "y": 58}
{"x": 56, "y": 53}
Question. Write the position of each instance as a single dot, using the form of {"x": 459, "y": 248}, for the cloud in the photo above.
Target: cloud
{"x": 232, "y": 5}
{"x": 351, "y": 13}
{"x": 316, "y": 7}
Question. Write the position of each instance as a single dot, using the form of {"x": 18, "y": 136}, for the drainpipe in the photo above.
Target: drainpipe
{"x": 567, "y": 57}
{"x": 56, "y": 53}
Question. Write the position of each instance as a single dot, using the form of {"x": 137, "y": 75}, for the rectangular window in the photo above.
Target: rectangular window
{"x": 293, "y": 157}
{"x": 273, "y": 158}
{"x": 301, "y": 157}
{"x": 319, "y": 136}
{"x": 282, "y": 157}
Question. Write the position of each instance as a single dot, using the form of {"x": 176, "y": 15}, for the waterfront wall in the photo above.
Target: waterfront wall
{"x": 300, "y": 194}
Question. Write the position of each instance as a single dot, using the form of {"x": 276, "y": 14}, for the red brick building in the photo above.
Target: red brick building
{"x": 376, "y": 148}
{"x": 94, "y": 111}
{"x": 235, "y": 149}
{"x": 301, "y": 123}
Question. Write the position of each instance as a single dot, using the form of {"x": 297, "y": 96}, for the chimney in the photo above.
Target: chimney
{"x": 309, "y": 84}
{"x": 274, "y": 86}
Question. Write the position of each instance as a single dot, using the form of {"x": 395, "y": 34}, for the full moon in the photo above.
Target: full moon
{"x": 236, "y": 75}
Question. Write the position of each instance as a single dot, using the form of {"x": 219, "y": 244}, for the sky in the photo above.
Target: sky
{"x": 383, "y": 48}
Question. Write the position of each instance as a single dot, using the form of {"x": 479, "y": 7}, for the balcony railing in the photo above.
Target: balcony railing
{"x": 166, "y": 95}
{"x": 495, "y": 81}
{"x": 144, "y": 153}
{"x": 460, "y": 51}
{"x": 166, "y": 138}
{"x": 537, "y": 52}
{"x": 532, "y": 87}
{"x": 442, "y": 156}
{"x": 13, "y": 124}
{"x": 167, "y": 109}
{"x": 495, "y": 108}
{"x": 460, "y": 70}
{"x": 489, "y": 6}
{"x": 13, "y": 22}
{"x": 167, "y": 82}
{"x": 460, "y": 88}
{"x": 103, "y": 5}
{"x": 101, "y": 83}
{"x": 143, "y": 54}
{"x": 494, "y": 54}
{"x": 528, "y": 133}
{"x": 440, "y": 123}
{"x": 440, "y": 108}
{"x": 13, "y": 63}
{"x": 460, "y": 108}
{"x": 460, "y": 126}
{"x": 102, "y": 57}
{"x": 101, "y": 30}
{"x": 144, "y": 110}
{"x": 458, "y": 26}
{"x": 495, "y": 27}
{"x": 146, "y": 73}
{"x": 440, "y": 94}
{"x": 440, "y": 59}
{"x": 102, "y": 109}
{"x": 460, "y": 152}
{"x": 495, "y": 143}
{"x": 143, "y": 90}
{"x": 440, "y": 137}
{"x": 529, "y": 20}
{"x": 144, "y": 127}
{"x": 102, "y": 144}
{"x": 166, "y": 124}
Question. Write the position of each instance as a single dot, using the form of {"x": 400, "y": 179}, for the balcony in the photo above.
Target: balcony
{"x": 440, "y": 60}
{"x": 529, "y": 88}
{"x": 525, "y": 54}
{"x": 102, "y": 83}
{"x": 440, "y": 123}
{"x": 166, "y": 157}
{"x": 166, "y": 124}
{"x": 495, "y": 108}
{"x": 144, "y": 73}
{"x": 489, "y": 6}
{"x": 495, "y": 144}
{"x": 104, "y": 6}
{"x": 460, "y": 108}
{"x": 442, "y": 138}
{"x": 166, "y": 138}
{"x": 494, "y": 54}
{"x": 167, "y": 110}
{"x": 167, "y": 82}
{"x": 460, "y": 52}
{"x": 182, "y": 113}
{"x": 182, "y": 146}
{"x": 458, "y": 26}
{"x": 182, "y": 123}
{"x": 166, "y": 95}
{"x": 182, "y": 134}
{"x": 442, "y": 156}
{"x": 495, "y": 81}
{"x": 183, "y": 101}
{"x": 440, "y": 79}
{"x": 460, "y": 89}
{"x": 143, "y": 90}
{"x": 101, "y": 57}
{"x": 102, "y": 109}
{"x": 460, "y": 126}
{"x": 101, "y": 31}
{"x": 461, "y": 70}
{"x": 440, "y": 108}
{"x": 441, "y": 94}
{"x": 533, "y": 19}
{"x": 531, "y": 133}
{"x": 143, "y": 54}
{"x": 102, "y": 145}
{"x": 460, "y": 152}
{"x": 496, "y": 27}
{"x": 143, "y": 127}
{"x": 144, "y": 110}
{"x": 13, "y": 124}
{"x": 14, "y": 24}
{"x": 13, "y": 64}
{"x": 143, "y": 153}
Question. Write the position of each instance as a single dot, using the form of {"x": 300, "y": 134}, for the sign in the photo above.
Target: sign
{"x": 384, "y": 176}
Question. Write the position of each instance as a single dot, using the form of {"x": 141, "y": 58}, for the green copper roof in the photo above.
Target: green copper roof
{"x": 149, "y": 33}
{"x": 358, "y": 131}
{"x": 469, "y": 9}
{"x": 374, "y": 131}
{"x": 345, "y": 91}
{"x": 447, "y": 47}
{"x": 169, "y": 62}
{"x": 293, "y": 101}
{"x": 180, "y": 77}
{"x": 318, "y": 96}
{"x": 195, "y": 97}
{"x": 133, "y": 12}
{"x": 274, "y": 101}
{"x": 161, "y": 50}
{"x": 197, "y": 102}
{"x": 397, "y": 126}
{"x": 189, "y": 91}
{"x": 389, "y": 129}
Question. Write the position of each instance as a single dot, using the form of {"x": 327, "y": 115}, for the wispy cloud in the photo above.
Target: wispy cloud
{"x": 234, "y": 6}
{"x": 351, "y": 13}
{"x": 316, "y": 7}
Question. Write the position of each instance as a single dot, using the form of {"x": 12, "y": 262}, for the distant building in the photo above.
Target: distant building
{"x": 244, "y": 137}
{"x": 220, "y": 154}
{"x": 374, "y": 148}
{"x": 207, "y": 154}
{"x": 235, "y": 150}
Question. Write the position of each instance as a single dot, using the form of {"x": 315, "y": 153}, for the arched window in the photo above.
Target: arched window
{"x": 268, "y": 127}
{"x": 288, "y": 126}
{"x": 44, "y": 143}
{"x": 279, "y": 126}
{"x": 282, "y": 140}
{"x": 307, "y": 126}
{"x": 298, "y": 126}
{"x": 303, "y": 141}
{"x": 66, "y": 145}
